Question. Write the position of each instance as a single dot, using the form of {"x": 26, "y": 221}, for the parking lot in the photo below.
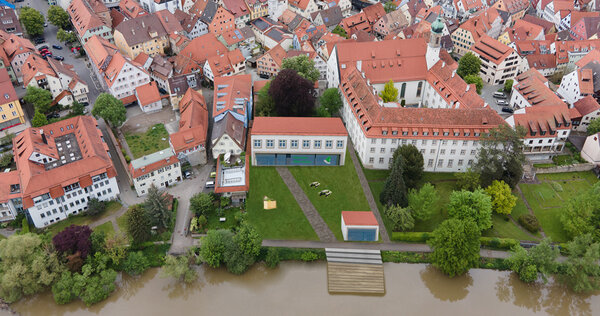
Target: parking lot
{"x": 487, "y": 93}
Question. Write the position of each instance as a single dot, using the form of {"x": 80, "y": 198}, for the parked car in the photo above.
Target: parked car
{"x": 499, "y": 95}
{"x": 45, "y": 24}
{"x": 58, "y": 57}
{"x": 43, "y": 47}
{"x": 213, "y": 174}
{"x": 187, "y": 174}
{"x": 52, "y": 115}
{"x": 263, "y": 76}
{"x": 507, "y": 109}
{"x": 162, "y": 91}
{"x": 501, "y": 102}
{"x": 56, "y": 46}
{"x": 209, "y": 184}
{"x": 84, "y": 103}
{"x": 39, "y": 40}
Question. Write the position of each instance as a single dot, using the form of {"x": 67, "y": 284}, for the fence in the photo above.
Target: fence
{"x": 567, "y": 168}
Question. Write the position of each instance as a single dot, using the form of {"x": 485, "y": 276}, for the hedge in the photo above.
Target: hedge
{"x": 293, "y": 254}
{"x": 411, "y": 236}
{"x": 498, "y": 243}
{"x": 422, "y": 237}
{"x": 530, "y": 222}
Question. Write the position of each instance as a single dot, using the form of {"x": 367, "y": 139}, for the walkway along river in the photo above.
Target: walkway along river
{"x": 296, "y": 288}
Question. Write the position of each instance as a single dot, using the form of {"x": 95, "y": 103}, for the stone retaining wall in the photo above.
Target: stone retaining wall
{"x": 567, "y": 168}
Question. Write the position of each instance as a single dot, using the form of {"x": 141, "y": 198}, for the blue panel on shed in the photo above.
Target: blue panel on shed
{"x": 265, "y": 160}
{"x": 356, "y": 234}
{"x": 327, "y": 160}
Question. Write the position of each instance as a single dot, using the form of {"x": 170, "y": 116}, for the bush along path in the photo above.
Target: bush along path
{"x": 529, "y": 209}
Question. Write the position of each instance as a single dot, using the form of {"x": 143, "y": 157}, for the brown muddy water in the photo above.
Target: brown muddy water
{"x": 301, "y": 289}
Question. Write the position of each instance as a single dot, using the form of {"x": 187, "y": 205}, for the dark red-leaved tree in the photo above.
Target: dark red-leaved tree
{"x": 293, "y": 95}
{"x": 73, "y": 239}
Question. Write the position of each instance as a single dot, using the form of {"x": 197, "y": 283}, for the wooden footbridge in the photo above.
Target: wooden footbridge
{"x": 354, "y": 271}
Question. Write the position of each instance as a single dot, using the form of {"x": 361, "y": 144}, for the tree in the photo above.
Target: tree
{"x": 422, "y": 202}
{"x": 508, "y": 84}
{"x": 180, "y": 268}
{"x": 339, "y": 30}
{"x": 582, "y": 272}
{"x": 389, "y": 93}
{"x": 468, "y": 180}
{"x": 265, "y": 106}
{"x": 581, "y": 214}
{"x": 77, "y": 109}
{"x": 32, "y": 20}
{"x": 469, "y": 64}
{"x": 73, "y": 239}
{"x": 245, "y": 250}
{"x": 110, "y": 109}
{"x": 455, "y": 245}
{"x": 40, "y": 98}
{"x": 539, "y": 261}
{"x": 138, "y": 224}
{"x": 59, "y": 17}
{"x": 272, "y": 258}
{"x": 594, "y": 126}
{"x": 503, "y": 201}
{"x": 116, "y": 248}
{"x": 136, "y": 263}
{"x": 331, "y": 102}
{"x": 412, "y": 164}
{"x": 26, "y": 266}
{"x": 401, "y": 217}
{"x": 394, "y": 190}
{"x": 96, "y": 207}
{"x": 6, "y": 160}
{"x": 500, "y": 156}
{"x": 39, "y": 119}
{"x": 389, "y": 7}
{"x": 157, "y": 208}
{"x": 476, "y": 206}
{"x": 303, "y": 66}
{"x": 214, "y": 245}
{"x": 98, "y": 240}
{"x": 475, "y": 79}
{"x": 66, "y": 37}
{"x": 201, "y": 204}
{"x": 293, "y": 95}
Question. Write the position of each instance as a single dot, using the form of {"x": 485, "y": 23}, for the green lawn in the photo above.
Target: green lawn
{"x": 122, "y": 223}
{"x": 212, "y": 220}
{"x": 83, "y": 219}
{"x": 342, "y": 181}
{"x": 503, "y": 228}
{"x": 107, "y": 228}
{"x": 155, "y": 139}
{"x": 287, "y": 221}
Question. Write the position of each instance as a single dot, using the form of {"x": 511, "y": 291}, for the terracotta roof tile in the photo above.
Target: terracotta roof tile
{"x": 329, "y": 126}
{"x": 193, "y": 123}
{"x": 147, "y": 94}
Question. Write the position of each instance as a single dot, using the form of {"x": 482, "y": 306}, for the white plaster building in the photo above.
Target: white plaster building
{"x": 576, "y": 85}
{"x": 161, "y": 168}
{"x": 591, "y": 149}
{"x": 498, "y": 61}
{"x": 152, "y": 6}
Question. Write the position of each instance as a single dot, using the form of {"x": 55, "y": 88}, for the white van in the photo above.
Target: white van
{"x": 209, "y": 184}
{"x": 499, "y": 95}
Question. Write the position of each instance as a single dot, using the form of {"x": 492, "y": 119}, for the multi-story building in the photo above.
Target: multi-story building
{"x": 298, "y": 141}
{"x": 258, "y": 8}
{"x": 531, "y": 88}
{"x": 522, "y": 31}
{"x": 584, "y": 80}
{"x": 89, "y": 20}
{"x": 390, "y": 23}
{"x": 240, "y": 11}
{"x": 144, "y": 34}
{"x": 498, "y": 61}
{"x": 192, "y": 25}
{"x": 218, "y": 19}
{"x": 516, "y": 8}
{"x": 131, "y": 9}
{"x": 228, "y": 136}
{"x": 233, "y": 179}
{"x": 269, "y": 64}
{"x": 242, "y": 39}
{"x": 9, "y": 22}
{"x": 11, "y": 113}
{"x": 488, "y": 22}
{"x": 189, "y": 143}
{"x": 161, "y": 169}
{"x": 148, "y": 98}
{"x": 115, "y": 72}
{"x": 467, "y": 7}
{"x": 233, "y": 94}
{"x": 152, "y": 6}
{"x": 60, "y": 167}
{"x": 303, "y": 7}
{"x": 583, "y": 112}
{"x": 228, "y": 64}
{"x": 17, "y": 50}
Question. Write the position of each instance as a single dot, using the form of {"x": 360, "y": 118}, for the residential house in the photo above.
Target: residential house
{"x": 152, "y": 6}
{"x": 159, "y": 68}
{"x": 498, "y": 61}
{"x": 303, "y": 7}
{"x": 258, "y": 8}
{"x": 144, "y": 34}
{"x": 531, "y": 88}
{"x": 391, "y": 23}
{"x": 345, "y": 6}
{"x": 189, "y": 143}
{"x": 269, "y": 64}
{"x": 242, "y": 39}
{"x": 10, "y": 22}
{"x": 329, "y": 17}
{"x": 586, "y": 28}
{"x": 305, "y": 32}
{"x": 324, "y": 46}
{"x": 516, "y": 8}
{"x": 161, "y": 169}
{"x": 193, "y": 57}
{"x": 570, "y": 18}
{"x": 488, "y": 23}
{"x": 240, "y": 11}
{"x": 192, "y": 25}
{"x": 217, "y": 18}
{"x": 591, "y": 149}
{"x": 131, "y": 9}
{"x": 276, "y": 8}
{"x": 17, "y": 50}
{"x": 582, "y": 112}
{"x": 179, "y": 84}
{"x": 270, "y": 34}
{"x": 186, "y": 5}
{"x": 467, "y": 7}
{"x": 233, "y": 179}
{"x": 233, "y": 95}
{"x": 227, "y": 64}
{"x": 583, "y": 81}
{"x": 548, "y": 26}
{"x": 522, "y": 31}
{"x": 148, "y": 98}
{"x": 170, "y": 22}
{"x": 11, "y": 113}
{"x": 228, "y": 136}
{"x": 551, "y": 10}
{"x": 89, "y": 21}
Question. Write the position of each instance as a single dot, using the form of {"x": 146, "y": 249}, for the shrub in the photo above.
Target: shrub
{"x": 136, "y": 263}
{"x": 530, "y": 222}
{"x": 498, "y": 243}
{"x": 25, "y": 226}
{"x": 556, "y": 186}
{"x": 309, "y": 256}
{"x": 405, "y": 257}
{"x": 202, "y": 221}
{"x": 127, "y": 158}
{"x": 411, "y": 236}
{"x": 272, "y": 259}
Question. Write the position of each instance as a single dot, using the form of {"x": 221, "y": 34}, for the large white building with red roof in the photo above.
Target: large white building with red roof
{"x": 60, "y": 167}
{"x": 161, "y": 169}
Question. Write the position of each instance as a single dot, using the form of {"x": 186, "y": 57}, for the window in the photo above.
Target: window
{"x": 442, "y": 151}
{"x": 282, "y": 143}
{"x": 450, "y": 162}
{"x": 328, "y": 144}
{"x": 452, "y": 151}
{"x": 460, "y": 162}
{"x": 473, "y": 152}
{"x": 403, "y": 90}
{"x": 306, "y": 144}
{"x": 424, "y": 142}
{"x": 470, "y": 162}
{"x": 257, "y": 143}
{"x": 270, "y": 143}
{"x": 340, "y": 143}
{"x": 382, "y": 150}
{"x": 463, "y": 152}
{"x": 380, "y": 160}
{"x": 317, "y": 144}
{"x": 444, "y": 142}
{"x": 294, "y": 143}
{"x": 430, "y": 163}
{"x": 432, "y": 151}
{"x": 373, "y": 141}
{"x": 419, "y": 88}
{"x": 371, "y": 159}
{"x": 372, "y": 150}
{"x": 440, "y": 162}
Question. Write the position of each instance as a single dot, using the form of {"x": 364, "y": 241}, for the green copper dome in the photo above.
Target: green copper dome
{"x": 437, "y": 26}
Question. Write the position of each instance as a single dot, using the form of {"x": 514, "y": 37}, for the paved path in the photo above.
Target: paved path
{"x": 315, "y": 220}
{"x": 367, "y": 190}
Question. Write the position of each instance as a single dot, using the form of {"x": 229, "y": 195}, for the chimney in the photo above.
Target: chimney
{"x": 143, "y": 24}
{"x": 43, "y": 137}
{"x": 359, "y": 65}
{"x": 468, "y": 86}
{"x": 166, "y": 19}
{"x": 453, "y": 73}
{"x": 443, "y": 64}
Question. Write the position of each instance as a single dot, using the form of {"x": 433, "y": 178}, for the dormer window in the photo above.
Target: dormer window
{"x": 384, "y": 133}
{"x": 446, "y": 133}
{"x": 404, "y": 133}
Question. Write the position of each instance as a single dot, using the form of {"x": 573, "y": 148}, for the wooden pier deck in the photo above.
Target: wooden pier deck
{"x": 355, "y": 271}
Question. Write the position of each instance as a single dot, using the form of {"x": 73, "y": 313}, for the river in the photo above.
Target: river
{"x": 301, "y": 289}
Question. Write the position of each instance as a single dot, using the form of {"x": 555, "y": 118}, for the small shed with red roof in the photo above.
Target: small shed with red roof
{"x": 359, "y": 226}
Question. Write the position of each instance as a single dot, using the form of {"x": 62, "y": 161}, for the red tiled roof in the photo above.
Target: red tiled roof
{"x": 229, "y": 89}
{"x": 533, "y": 86}
{"x": 586, "y": 105}
{"x": 147, "y": 94}
{"x": 586, "y": 81}
{"x": 153, "y": 166}
{"x": 327, "y": 126}
{"x": 543, "y": 118}
{"x": 359, "y": 218}
{"x": 6, "y": 87}
{"x": 453, "y": 89}
{"x": 491, "y": 49}
{"x": 193, "y": 123}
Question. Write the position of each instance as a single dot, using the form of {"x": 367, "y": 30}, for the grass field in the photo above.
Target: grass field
{"x": 84, "y": 219}
{"x": 107, "y": 228}
{"x": 155, "y": 139}
{"x": 287, "y": 221}
{"x": 342, "y": 181}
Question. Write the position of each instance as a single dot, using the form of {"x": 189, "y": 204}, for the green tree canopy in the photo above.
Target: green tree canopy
{"x": 503, "y": 201}
{"x": 401, "y": 217}
{"x": 582, "y": 271}
{"x": 265, "y": 106}
{"x": 303, "y": 65}
{"x": 475, "y": 79}
{"x": 293, "y": 95}
{"x": 110, "y": 109}
{"x": 594, "y": 126}
{"x": 214, "y": 245}
{"x": 201, "y": 204}
{"x": 389, "y": 93}
{"x": 38, "y": 119}
{"x": 331, "y": 102}
{"x": 501, "y": 156}
{"x": 180, "y": 268}
{"x": 157, "y": 208}
{"x": 412, "y": 164}
{"x": 539, "y": 261}
{"x": 66, "y": 37}
{"x": 95, "y": 207}
{"x": 26, "y": 266}
{"x": 422, "y": 202}
{"x": 32, "y": 20}
{"x": 581, "y": 214}
{"x": 468, "y": 180}
{"x": 237, "y": 252}
{"x": 40, "y": 98}
{"x": 136, "y": 263}
{"x": 77, "y": 109}
{"x": 476, "y": 206}
{"x": 508, "y": 84}
{"x": 394, "y": 190}
{"x": 59, "y": 17}
{"x": 339, "y": 30}
{"x": 138, "y": 224}
{"x": 455, "y": 245}
{"x": 389, "y": 7}
{"x": 469, "y": 64}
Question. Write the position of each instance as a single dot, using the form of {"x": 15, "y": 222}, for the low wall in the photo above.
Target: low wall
{"x": 567, "y": 168}
{"x": 120, "y": 154}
